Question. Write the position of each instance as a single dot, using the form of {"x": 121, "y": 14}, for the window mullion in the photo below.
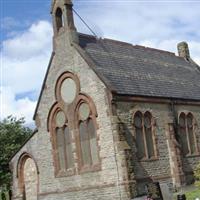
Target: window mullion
{"x": 154, "y": 139}
{"x": 194, "y": 135}
{"x": 187, "y": 135}
{"x": 89, "y": 140}
{"x": 65, "y": 148}
{"x": 144, "y": 138}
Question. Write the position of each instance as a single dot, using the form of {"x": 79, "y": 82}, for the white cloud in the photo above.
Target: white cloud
{"x": 162, "y": 23}
{"x": 170, "y": 45}
{"x": 19, "y": 108}
{"x": 24, "y": 61}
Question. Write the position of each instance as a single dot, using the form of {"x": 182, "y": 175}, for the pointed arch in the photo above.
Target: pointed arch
{"x": 20, "y": 171}
{"x": 187, "y": 133}
{"x": 144, "y": 128}
{"x": 59, "y": 18}
{"x": 61, "y": 140}
{"x": 86, "y": 138}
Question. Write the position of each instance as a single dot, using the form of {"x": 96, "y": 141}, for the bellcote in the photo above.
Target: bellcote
{"x": 63, "y": 20}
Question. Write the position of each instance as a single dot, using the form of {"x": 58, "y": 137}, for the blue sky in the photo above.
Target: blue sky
{"x": 26, "y": 42}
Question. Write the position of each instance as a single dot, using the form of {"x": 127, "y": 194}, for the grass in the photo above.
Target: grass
{"x": 191, "y": 192}
{"x": 192, "y": 195}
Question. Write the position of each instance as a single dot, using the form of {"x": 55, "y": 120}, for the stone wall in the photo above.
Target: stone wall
{"x": 190, "y": 162}
{"x": 161, "y": 169}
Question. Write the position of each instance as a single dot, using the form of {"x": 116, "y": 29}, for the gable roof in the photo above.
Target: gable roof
{"x": 141, "y": 71}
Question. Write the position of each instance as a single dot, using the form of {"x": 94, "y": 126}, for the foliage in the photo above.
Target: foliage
{"x": 12, "y": 135}
{"x": 197, "y": 176}
{"x": 193, "y": 194}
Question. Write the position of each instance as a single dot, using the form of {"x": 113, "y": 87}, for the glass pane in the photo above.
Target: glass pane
{"x": 183, "y": 138}
{"x": 68, "y": 90}
{"x": 60, "y": 147}
{"x": 182, "y": 120}
{"x": 60, "y": 119}
{"x": 138, "y": 120}
{"x": 149, "y": 141}
{"x": 84, "y": 111}
{"x": 93, "y": 142}
{"x": 140, "y": 143}
{"x": 191, "y": 140}
{"x": 85, "y": 144}
{"x": 83, "y": 131}
{"x": 91, "y": 129}
{"x": 190, "y": 120}
{"x": 147, "y": 120}
{"x": 70, "y": 160}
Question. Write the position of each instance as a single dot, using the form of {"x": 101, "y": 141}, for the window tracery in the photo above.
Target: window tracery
{"x": 187, "y": 136}
{"x": 87, "y": 135}
{"x": 72, "y": 119}
{"x": 145, "y": 136}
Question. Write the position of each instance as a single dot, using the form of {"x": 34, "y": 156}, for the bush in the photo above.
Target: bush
{"x": 197, "y": 176}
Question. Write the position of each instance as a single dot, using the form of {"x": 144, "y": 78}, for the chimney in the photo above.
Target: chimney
{"x": 183, "y": 50}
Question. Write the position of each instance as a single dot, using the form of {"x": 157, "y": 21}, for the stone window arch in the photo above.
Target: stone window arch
{"x": 59, "y": 18}
{"x": 73, "y": 127}
{"x": 61, "y": 114}
{"x": 87, "y": 140}
{"x": 187, "y": 135}
{"x": 62, "y": 141}
{"x": 28, "y": 176}
{"x": 144, "y": 126}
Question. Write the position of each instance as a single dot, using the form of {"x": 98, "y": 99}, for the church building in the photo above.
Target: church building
{"x": 111, "y": 118}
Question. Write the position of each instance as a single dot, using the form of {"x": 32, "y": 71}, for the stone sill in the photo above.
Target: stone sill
{"x": 192, "y": 155}
{"x": 149, "y": 159}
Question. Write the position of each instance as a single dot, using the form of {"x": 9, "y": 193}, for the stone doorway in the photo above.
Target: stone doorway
{"x": 30, "y": 180}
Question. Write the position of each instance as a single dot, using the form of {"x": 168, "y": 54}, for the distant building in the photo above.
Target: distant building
{"x": 111, "y": 117}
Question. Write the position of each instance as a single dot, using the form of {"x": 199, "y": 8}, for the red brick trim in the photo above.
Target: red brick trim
{"x": 84, "y": 98}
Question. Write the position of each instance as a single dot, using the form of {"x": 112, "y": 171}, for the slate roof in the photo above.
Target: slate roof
{"x": 140, "y": 71}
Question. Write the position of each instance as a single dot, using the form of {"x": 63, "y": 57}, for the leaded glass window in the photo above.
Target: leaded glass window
{"x": 144, "y": 135}
{"x": 186, "y": 134}
{"x": 63, "y": 142}
{"x": 87, "y": 132}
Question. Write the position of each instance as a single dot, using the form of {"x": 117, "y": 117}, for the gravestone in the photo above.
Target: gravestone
{"x": 167, "y": 194}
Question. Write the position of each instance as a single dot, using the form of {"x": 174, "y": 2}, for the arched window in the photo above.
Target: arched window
{"x": 87, "y": 135}
{"x": 72, "y": 123}
{"x": 186, "y": 134}
{"x": 63, "y": 147}
{"x": 145, "y": 139}
{"x": 59, "y": 18}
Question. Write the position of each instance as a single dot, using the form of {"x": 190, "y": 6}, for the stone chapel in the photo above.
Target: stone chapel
{"x": 111, "y": 118}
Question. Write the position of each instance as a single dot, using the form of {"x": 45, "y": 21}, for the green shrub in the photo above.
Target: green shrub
{"x": 197, "y": 176}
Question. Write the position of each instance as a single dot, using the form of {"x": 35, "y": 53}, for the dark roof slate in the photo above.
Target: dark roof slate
{"x": 141, "y": 71}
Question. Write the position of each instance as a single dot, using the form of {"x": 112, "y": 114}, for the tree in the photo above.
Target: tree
{"x": 13, "y": 134}
{"x": 197, "y": 175}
